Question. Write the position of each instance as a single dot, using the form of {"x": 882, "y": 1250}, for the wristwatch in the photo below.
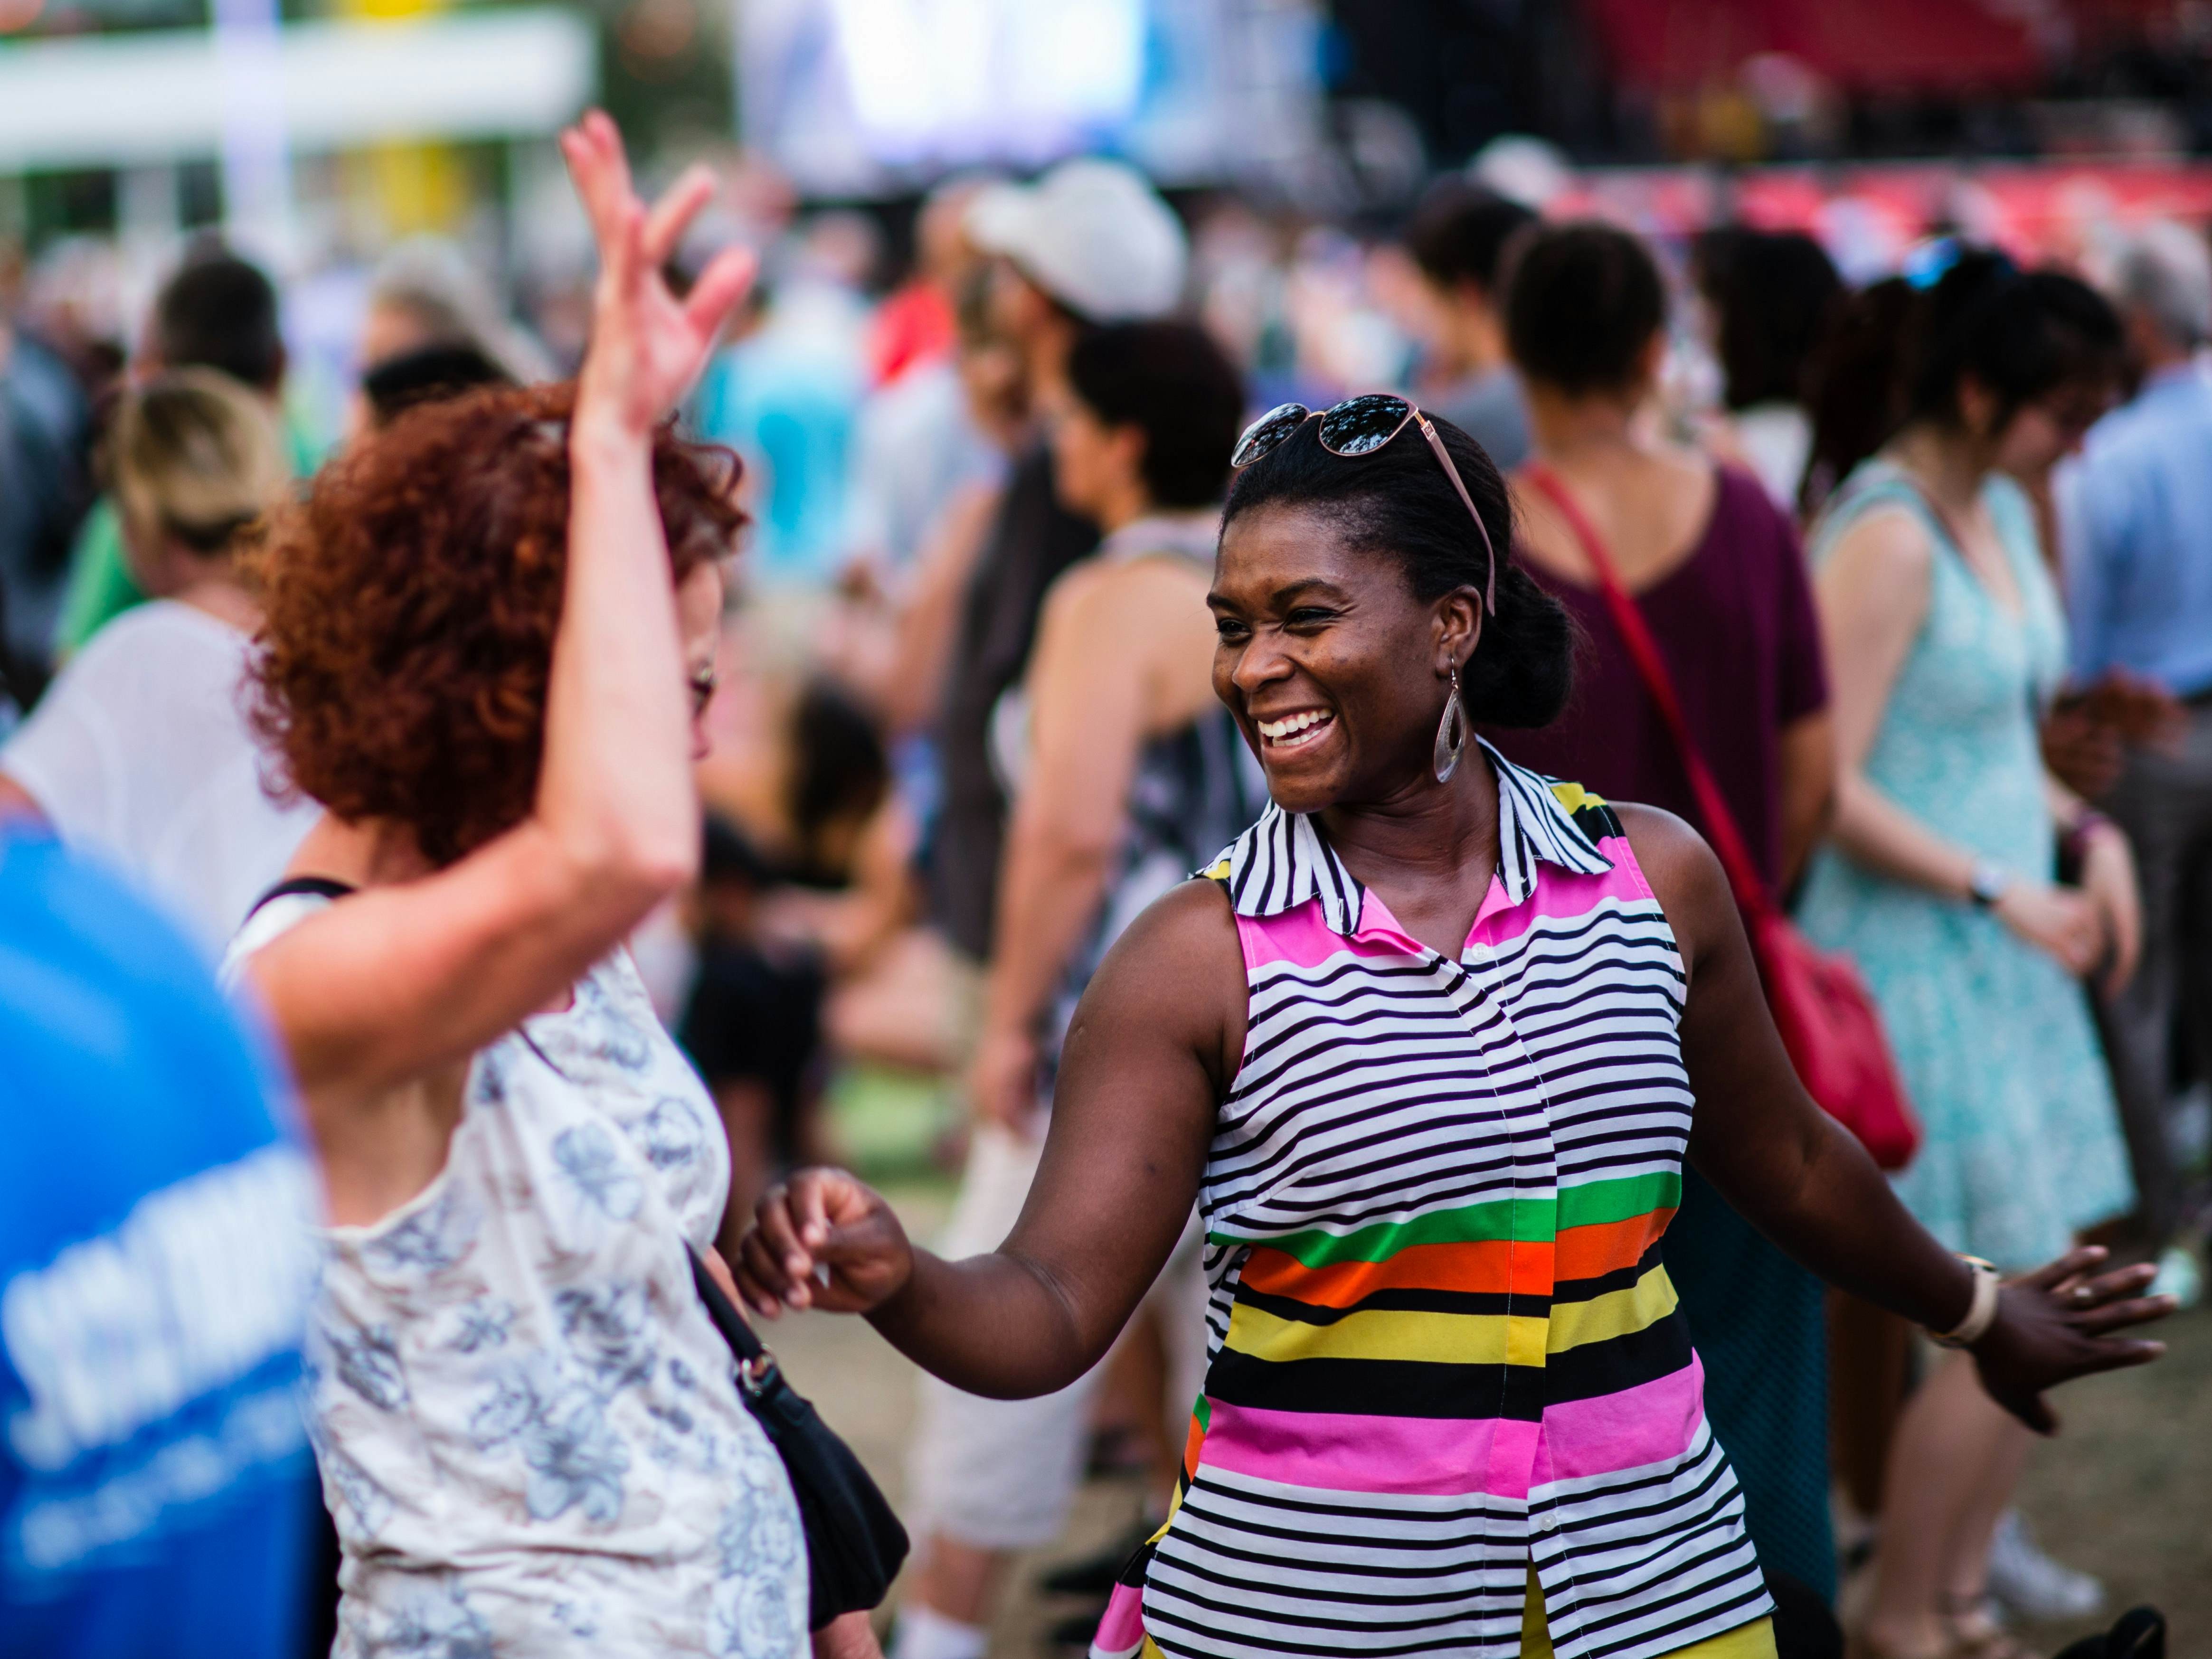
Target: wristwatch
{"x": 1981, "y": 1312}
{"x": 1989, "y": 883}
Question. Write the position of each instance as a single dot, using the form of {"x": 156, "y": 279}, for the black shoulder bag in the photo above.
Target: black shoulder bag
{"x": 854, "y": 1543}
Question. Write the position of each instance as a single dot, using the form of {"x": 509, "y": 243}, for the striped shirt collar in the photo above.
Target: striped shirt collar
{"x": 1284, "y": 861}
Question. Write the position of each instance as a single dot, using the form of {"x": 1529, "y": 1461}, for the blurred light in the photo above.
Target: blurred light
{"x": 1534, "y": 172}
{"x": 256, "y": 150}
{"x": 19, "y": 14}
{"x": 136, "y": 97}
{"x": 969, "y": 79}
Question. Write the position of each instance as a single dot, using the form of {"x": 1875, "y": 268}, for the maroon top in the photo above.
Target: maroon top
{"x": 1735, "y": 622}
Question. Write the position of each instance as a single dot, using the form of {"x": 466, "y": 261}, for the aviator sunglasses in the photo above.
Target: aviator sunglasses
{"x": 1360, "y": 425}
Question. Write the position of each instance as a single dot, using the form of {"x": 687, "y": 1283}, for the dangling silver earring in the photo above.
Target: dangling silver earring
{"x": 1452, "y": 733}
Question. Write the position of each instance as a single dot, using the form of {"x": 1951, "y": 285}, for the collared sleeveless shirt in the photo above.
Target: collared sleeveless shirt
{"x": 1445, "y": 1354}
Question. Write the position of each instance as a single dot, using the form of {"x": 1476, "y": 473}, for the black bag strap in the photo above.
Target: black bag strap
{"x": 719, "y": 1309}
{"x": 318, "y": 886}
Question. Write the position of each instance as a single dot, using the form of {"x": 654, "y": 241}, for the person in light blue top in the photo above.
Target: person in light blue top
{"x": 2137, "y": 505}
{"x": 1945, "y": 636}
{"x": 156, "y": 1262}
{"x": 2137, "y": 511}
{"x": 2135, "y": 516}
{"x": 785, "y": 397}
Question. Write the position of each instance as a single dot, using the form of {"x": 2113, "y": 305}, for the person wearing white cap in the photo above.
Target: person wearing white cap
{"x": 1090, "y": 233}
{"x": 1090, "y": 244}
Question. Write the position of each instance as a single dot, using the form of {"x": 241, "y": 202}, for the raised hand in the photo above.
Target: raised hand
{"x": 823, "y": 1239}
{"x": 647, "y": 346}
{"x": 2056, "y": 1323}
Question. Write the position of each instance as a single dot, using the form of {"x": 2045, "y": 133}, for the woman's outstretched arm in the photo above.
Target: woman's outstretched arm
{"x": 406, "y": 978}
{"x": 1805, "y": 1181}
{"x": 1155, "y": 1044}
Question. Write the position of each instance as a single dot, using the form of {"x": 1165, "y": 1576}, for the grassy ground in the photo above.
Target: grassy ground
{"x": 2125, "y": 1492}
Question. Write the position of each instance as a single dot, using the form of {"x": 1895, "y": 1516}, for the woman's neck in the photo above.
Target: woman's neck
{"x": 225, "y": 599}
{"x": 371, "y": 852}
{"x": 1122, "y": 508}
{"x": 1430, "y": 851}
{"x": 1949, "y": 466}
{"x": 1568, "y": 430}
{"x": 1424, "y": 829}
{"x": 1470, "y": 341}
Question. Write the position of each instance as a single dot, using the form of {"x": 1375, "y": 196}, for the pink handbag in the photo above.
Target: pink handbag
{"x": 1825, "y": 1014}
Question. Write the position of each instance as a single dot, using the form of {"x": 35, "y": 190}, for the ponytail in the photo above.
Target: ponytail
{"x": 1902, "y": 348}
{"x": 1855, "y": 387}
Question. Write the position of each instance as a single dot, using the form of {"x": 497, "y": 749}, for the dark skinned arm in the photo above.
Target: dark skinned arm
{"x": 1804, "y": 1180}
{"x": 1155, "y": 1042}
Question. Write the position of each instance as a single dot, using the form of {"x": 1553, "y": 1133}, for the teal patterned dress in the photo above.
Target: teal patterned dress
{"x": 1992, "y": 1037}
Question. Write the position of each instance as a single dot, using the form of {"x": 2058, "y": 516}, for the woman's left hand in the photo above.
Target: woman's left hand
{"x": 2108, "y": 877}
{"x": 647, "y": 346}
{"x": 2057, "y": 1323}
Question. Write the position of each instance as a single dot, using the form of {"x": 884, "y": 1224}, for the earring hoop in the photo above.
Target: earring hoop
{"x": 1451, "y": 734}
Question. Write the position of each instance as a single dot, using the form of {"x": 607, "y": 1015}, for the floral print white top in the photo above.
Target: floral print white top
{"x": 529, "y": 1434}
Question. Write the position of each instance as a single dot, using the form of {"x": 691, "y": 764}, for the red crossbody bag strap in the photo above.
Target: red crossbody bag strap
{"x": 1720, "y": 825}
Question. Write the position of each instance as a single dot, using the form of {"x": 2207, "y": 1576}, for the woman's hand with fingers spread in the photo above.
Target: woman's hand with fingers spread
{"x": 647, "y": 346}
{"x": 2058, "y": 1323}
{"x": 824, "y": 1240}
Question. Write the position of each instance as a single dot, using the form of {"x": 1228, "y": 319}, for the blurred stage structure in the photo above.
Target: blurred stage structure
{"x": 316, "y": 132}
{"x": 868, "y": 97}
{"x": 258, "y": 94}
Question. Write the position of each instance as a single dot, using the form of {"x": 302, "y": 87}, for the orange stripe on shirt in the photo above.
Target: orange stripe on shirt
{"x": 1492, "y": 1266}
{"x": 1607, "y": 1246}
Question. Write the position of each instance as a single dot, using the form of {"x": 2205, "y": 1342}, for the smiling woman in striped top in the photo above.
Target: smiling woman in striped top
{"x": 1428, "y": 1046}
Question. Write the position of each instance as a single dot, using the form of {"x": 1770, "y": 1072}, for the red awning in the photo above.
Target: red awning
{"x": 1866, "y": 45}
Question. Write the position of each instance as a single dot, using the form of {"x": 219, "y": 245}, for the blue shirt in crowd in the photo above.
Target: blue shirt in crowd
{"x": 2137, "y": 510}
{"x": 155, "y": 1262}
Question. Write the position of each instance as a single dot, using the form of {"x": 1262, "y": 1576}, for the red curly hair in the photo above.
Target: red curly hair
{"x": 411, "y": 601}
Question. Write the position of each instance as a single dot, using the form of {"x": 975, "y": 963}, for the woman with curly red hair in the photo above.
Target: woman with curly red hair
{"x": 475, "y": 658}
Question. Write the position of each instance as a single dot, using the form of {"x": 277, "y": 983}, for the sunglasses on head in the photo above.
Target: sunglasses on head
{"x": 1360, "y": 425}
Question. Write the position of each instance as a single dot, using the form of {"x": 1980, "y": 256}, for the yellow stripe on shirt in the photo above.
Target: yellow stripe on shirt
{"x": 1617, "y": 1313}
{"x": 1391, "y": 1333}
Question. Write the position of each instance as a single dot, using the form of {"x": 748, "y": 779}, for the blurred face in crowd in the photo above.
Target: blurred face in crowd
{"x": 392, "y": 329}
{"x": 996, "y": 389}
{"x": 1326, "y": 659}
{"x": 2040, "y": 433}
{"x": 1096, "y": 468}
{"x": 1018, "y": 306}
{"x": 2045, "y": 432}
{"x": 699, "y": 618}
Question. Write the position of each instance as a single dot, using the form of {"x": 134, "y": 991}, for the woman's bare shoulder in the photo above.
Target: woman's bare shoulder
{"x": 1885, "y": 541}
{"x": 1190, "y": 929}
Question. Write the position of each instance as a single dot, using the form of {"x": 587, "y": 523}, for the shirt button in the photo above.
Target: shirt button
{"x": 1545, "y": 1523}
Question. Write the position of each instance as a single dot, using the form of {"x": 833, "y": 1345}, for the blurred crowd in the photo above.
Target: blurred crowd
{"x": 1929, "y": 561}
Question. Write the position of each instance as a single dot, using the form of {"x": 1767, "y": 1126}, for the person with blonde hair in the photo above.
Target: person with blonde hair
{"x": 139, "y": 752}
